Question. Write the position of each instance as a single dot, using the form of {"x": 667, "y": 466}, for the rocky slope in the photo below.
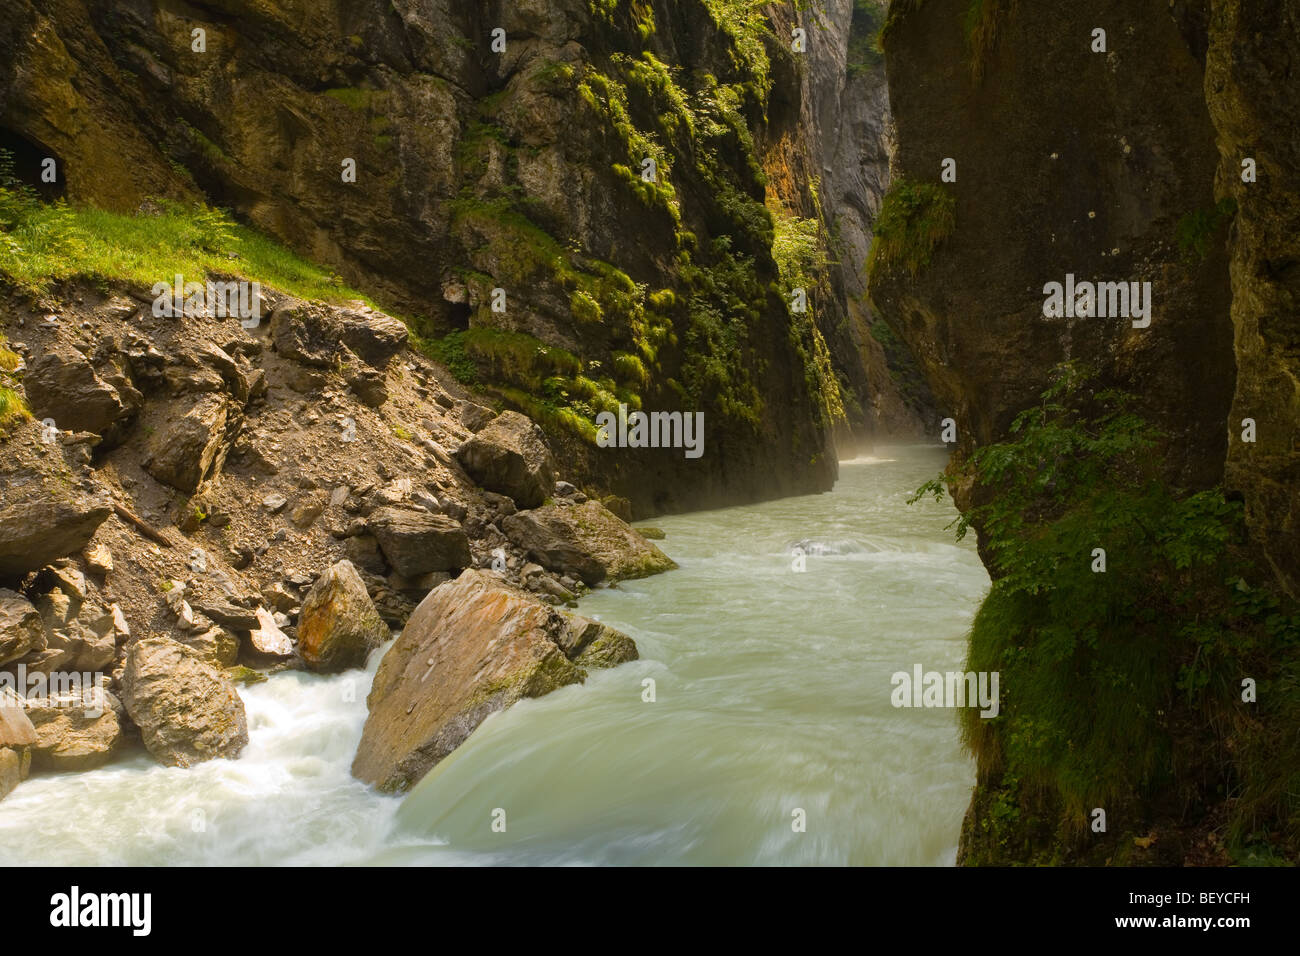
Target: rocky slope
{"x": 193, "y": 503}
{"x": 1115, "y": 163}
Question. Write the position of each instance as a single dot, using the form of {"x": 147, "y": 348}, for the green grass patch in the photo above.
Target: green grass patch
{"x": 41, "y": 244}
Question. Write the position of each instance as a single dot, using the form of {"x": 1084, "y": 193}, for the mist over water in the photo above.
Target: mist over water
{"x": 772, "y": 694}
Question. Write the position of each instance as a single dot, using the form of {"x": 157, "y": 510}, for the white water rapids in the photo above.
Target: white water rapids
{"x": 772, "y": 695}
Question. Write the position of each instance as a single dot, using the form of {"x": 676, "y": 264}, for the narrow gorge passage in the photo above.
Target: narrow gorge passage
{"x": 772, "y": 694}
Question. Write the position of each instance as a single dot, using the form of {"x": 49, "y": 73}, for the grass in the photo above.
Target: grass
{"x": 1196, "y": 231}
{"x": 13, "y": 409}
{"x": 914, "y": 220}
{"x": 42, "y": 244}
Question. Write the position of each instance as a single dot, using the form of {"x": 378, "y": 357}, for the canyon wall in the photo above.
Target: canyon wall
{"x": 519, "y": 168}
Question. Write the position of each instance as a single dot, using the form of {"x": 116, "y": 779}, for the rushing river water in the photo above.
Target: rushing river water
{"x": 772, "y": 695}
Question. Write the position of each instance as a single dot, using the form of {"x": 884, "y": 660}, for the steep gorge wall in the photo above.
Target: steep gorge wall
{"x": 479, "y": 170}
{"x": 1072, "y": 161}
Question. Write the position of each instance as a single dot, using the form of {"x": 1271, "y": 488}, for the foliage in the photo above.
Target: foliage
{"x": 914, "y": 219}
{"x": 1103, "y": 673}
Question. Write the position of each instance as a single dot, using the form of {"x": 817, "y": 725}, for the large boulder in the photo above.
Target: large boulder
{"x": 40, "y": 530}
{"x": 417, "y": 542}
{"x": 474, "y": 646}
{"x": 188, "y": 711}
{"x": 320, "y": 335}
{"x": 510, "y": 456}
{"x": 63, "y": 385}
{"x": 586, "y": 540}
{"x": 339, "y": 626}
{"x": 193, "y": 448}
{"x": 74, "y": 731}
{"x": 21, "y": 628}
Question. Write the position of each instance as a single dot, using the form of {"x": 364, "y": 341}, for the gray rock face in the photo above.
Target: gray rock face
{"x": 63, "y": 385}
{"x": 21, "y": 628}
{"x": 474, "y": 646}
{"x": 35, "y": 532}
{"x": 339, "y": 626}
{"x": 509, "y": 455}
{"x": 194, "y": 448}
{"x": 586, "y": 540}
{"x": 416, "y": 542}
{"x": 188, "y": 711}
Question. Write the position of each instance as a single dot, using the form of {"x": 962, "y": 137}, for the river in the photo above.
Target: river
{"x": 771, "y": 738}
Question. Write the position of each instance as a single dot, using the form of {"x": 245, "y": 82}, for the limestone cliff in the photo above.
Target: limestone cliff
{"x": 1109, "y": 142}
{"x": 484, "y": 161}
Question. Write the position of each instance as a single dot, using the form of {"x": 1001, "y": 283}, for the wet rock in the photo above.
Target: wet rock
{"x": 585, "y": 540}
{"x": 510, "y": 456}
{"x": 473, "y": 646}
{"x": 339, "y": 626}
{"x": 417, "y": 542}
{"x": 188, "y": 711}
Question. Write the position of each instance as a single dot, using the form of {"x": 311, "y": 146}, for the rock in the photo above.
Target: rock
{"x": 363, "y": 551}
{"x": 245, "y": 675}
{"x": 621, "y": 508}
{"x": 187, "y": 710}
{"x": 63, "y": 385}
{"x": 16, "y": 730}
{"x": 593, "y": 644}
{"x": 99, "y": 559}
{"x": 564, "y": 489}
{"x": 585, "y": 540}
{"x": 215, "y": 645}
{"x": 369, "y": 385}
{"x": 306, "y": 513}
{"x": 473, "y": 646}
{"x": 417, "y": 542}
{"x": 474, "y": 417}
{"x": 510, "y": 456}
{"x": 317, "y": 334}
{"x": 274, "y": 503}
{"x": 224, "y": 612}
{"x": 339, "y": 626}
{"x": 36, "y": 532}
{"x": 74, "y": 731}
{"x": 192, "y": 449}
{"x": 373, "y": 336}
{"x": 21, "y": 628}
{"x": 650, "y": 534}
{"x": 266, "y": 637}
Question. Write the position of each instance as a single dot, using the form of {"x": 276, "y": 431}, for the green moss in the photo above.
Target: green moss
{"x": 1196, "y": 231}
{"x": 584, "y": 307}
{"x": 864, "y": 55}
{"x": 914, "y": 220}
